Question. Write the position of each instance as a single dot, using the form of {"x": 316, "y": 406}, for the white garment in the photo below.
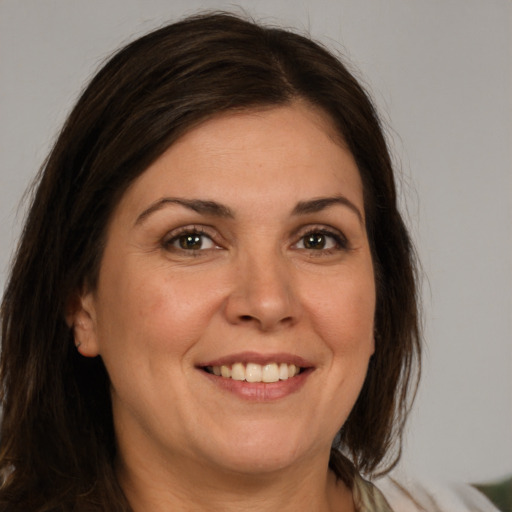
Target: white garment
{"x": 409, "y": 495}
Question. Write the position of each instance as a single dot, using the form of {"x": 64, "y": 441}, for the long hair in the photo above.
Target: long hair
{"x": 58, "y": 448}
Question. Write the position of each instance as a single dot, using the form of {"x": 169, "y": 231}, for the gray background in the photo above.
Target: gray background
{"x": 441, "y": 73}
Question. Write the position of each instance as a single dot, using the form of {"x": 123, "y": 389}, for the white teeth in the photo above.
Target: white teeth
{"x": 252, "y": 372}
{"x": 270, "y": 373}
{"x": 238, "y": 371}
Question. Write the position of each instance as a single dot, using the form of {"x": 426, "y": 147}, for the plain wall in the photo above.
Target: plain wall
{"x": 441, "y": 72}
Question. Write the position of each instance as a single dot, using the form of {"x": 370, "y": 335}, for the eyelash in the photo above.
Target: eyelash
{"x": 340, "y": 241}
{"x": 174, "y": 237}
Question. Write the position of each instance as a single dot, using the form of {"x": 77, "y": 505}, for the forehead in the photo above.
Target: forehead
{"x": 267, "y": 154}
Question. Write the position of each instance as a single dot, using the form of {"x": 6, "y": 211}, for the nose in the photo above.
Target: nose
{"x": 262, "y": 294}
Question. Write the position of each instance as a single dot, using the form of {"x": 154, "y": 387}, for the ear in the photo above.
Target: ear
{"x": 81, "y": 318}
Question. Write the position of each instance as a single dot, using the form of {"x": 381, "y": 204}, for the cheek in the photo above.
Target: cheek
{"x": 343, "y": 316}
{"x": 343, "y": 312}
{"x": 153, "y": 308}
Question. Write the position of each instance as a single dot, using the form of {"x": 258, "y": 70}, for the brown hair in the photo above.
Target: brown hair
{"x": 57, "y": 438}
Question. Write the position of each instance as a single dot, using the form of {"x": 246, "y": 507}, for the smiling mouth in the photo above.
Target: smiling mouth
{"x": 253, "y": 372}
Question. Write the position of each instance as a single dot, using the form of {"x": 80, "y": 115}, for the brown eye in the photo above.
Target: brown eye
{"x": 191, "y": 241}
{"x": 315, "y": 241}
{"x": 322, "y": 241}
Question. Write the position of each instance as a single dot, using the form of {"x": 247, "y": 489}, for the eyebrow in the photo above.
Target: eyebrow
{"x": 198, "y": 205}
{"x": 321, "y": 203}
{"x": 215, "y": 209}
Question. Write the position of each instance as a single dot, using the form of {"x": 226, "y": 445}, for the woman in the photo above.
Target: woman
{"x": 213, "y": 284}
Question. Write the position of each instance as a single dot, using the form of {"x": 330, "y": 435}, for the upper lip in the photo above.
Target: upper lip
{"x": 258, "y": 358}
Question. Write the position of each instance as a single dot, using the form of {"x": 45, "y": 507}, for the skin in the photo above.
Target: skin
{"x": 253, "y": 283}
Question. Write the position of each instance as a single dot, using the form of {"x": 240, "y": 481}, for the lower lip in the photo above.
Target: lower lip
{"x": 260, "y": 391}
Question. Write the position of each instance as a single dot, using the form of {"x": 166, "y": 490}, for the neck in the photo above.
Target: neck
{"x": 184, "y": 486}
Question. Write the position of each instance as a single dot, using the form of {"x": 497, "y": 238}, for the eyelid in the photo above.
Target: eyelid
{"x": 339, "y": 237}
{"x": 201, "y": 230}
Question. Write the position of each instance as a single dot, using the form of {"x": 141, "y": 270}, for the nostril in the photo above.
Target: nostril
{"x": 246, "y": 318}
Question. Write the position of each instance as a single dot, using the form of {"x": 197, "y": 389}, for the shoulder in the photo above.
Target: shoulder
{"x": 368, "y": 498}
{"x": 408, "y": 495}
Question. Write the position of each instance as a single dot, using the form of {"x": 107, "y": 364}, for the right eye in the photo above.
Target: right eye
{"x": 190, "y": 240}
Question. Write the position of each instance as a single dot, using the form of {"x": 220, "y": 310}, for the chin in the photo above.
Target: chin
{"x": 260, "y": 463}
{"x": 263, "y": 451}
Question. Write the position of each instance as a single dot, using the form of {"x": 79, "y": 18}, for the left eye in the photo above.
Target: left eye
{"x": 191, "y": 241}
{"x": 318, "y": 240}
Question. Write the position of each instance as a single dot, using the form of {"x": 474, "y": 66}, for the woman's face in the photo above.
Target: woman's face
{"x": 241, "y": 251}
